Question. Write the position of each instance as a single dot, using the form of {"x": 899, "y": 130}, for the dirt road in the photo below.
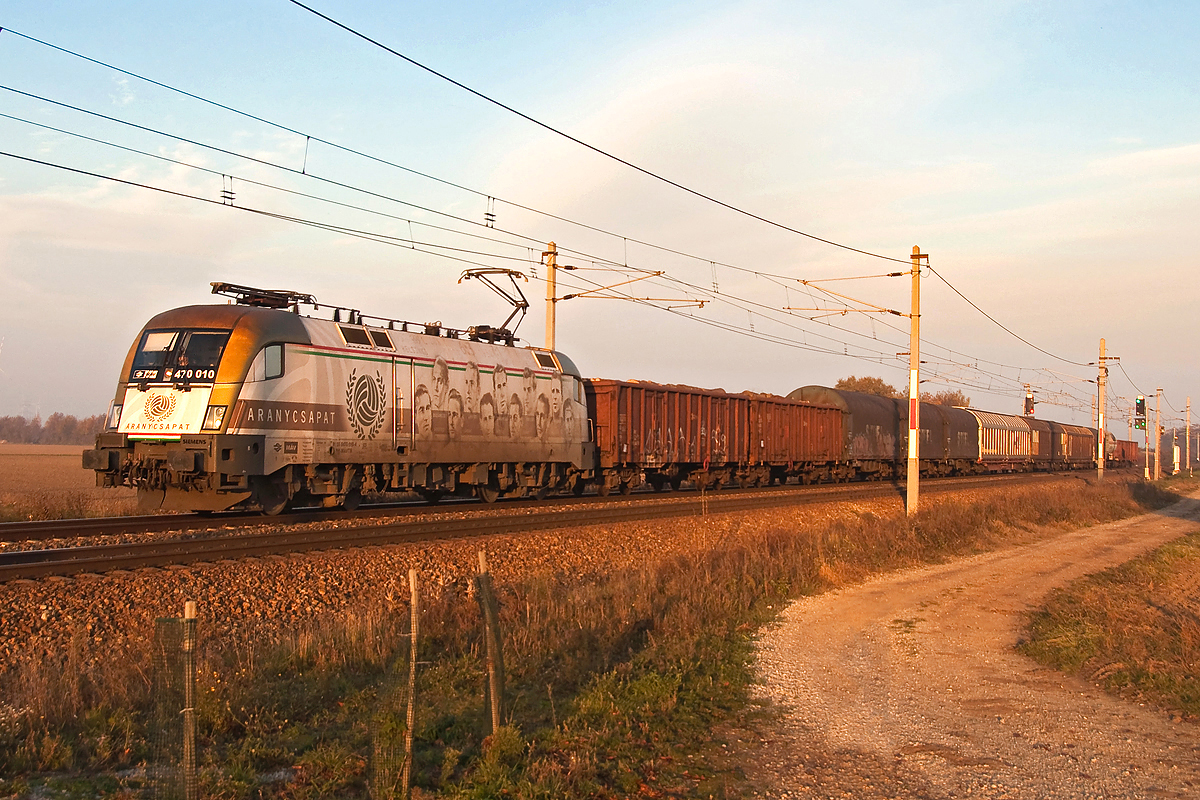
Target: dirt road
{"x": 909, "y": 686}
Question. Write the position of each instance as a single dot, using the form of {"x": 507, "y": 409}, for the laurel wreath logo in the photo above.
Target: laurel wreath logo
{"x": 365, "y": 404}
{"x": 159, "y": 407}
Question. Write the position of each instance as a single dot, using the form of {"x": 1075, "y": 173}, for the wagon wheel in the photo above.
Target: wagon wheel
{"x": 675, "y": 484}
{"x": 578, "y": 488}
{"x": 431, "y": 496}
{"x": 626, "y": 487}
{"x": 602, "y": 488}
{"x": 487, "y": 494}
{"x": 352, "y": 500}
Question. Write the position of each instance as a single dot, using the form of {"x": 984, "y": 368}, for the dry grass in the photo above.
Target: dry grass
{"x": 1134, "y": 629}
{"x": 614, "y": 687}
{"x": 48, "y": 482}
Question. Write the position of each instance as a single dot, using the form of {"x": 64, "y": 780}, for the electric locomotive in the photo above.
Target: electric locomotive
{"x": 253, "y": 404}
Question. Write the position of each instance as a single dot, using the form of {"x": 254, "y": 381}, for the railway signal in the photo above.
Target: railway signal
{"x": 1140, "y": 408}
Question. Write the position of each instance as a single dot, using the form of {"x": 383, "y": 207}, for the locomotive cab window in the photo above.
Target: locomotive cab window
{"x": 179, "y": 356}
{"x": 272, "y": 361}
{"x": 267, "y": 364}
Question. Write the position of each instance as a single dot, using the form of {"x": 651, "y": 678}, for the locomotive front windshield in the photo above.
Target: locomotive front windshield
{"x": 182, "y": 356}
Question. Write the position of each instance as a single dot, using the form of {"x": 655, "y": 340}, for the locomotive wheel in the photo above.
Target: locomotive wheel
{"x": 541, "y": 492}
{"x": 487, "y": 494}
{"x": 273, "y": 498}
{"x": 578, "y": 488}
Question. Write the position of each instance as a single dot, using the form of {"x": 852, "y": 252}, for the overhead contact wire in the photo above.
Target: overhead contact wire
{"x": 310, "y": 137}
{"x": 584, "y": 144}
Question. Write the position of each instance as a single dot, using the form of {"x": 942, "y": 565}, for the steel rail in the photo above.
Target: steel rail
{"x": 43, "y": 530}
{"x": 31, "y": 564}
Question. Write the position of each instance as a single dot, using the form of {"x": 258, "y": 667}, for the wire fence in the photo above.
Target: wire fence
{"x": 171, "y": 767}
{"x": 174, "y": 755}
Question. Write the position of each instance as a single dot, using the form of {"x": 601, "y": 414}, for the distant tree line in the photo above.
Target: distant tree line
{"x": 877, "y": 386}
{"x": 57, "y": 429}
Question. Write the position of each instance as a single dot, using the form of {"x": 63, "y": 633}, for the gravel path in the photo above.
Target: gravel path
{"x": 909, "y": 686}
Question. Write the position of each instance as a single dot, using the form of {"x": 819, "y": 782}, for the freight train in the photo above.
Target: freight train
{"x": 252, "y": 404}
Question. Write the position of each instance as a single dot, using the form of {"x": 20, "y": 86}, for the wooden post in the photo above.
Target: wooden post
{"x": 191, "y": 789}
{"x": 491, "y": 625}
{"x": 411, "y": 718}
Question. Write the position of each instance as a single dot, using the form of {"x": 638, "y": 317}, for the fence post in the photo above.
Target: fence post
{"x": 411, "y": 717}
{"x": 190, "y": 786}
{"x": 491, "y": 636}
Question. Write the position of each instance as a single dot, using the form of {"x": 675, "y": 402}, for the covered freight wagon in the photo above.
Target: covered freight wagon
{"x": 1072, "y": 446}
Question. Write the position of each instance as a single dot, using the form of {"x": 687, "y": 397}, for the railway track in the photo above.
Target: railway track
{"x": 447, "y": 523}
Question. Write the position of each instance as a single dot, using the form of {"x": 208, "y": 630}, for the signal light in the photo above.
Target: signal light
{"x": 1140, "y": 423}
{"x": 1029, "y": 405}
{"x": 1140, "y": 406}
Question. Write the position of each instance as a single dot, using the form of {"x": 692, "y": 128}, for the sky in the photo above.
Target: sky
{"x": 1046, "y": 157}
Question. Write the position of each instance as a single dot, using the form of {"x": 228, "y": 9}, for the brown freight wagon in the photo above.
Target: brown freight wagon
{"x": 664, "y": 435}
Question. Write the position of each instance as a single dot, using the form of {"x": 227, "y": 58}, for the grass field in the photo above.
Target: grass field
{"x": 614, "y": 688}
{"x": 1134, "y": 629}
{"x": 47, "y": 482}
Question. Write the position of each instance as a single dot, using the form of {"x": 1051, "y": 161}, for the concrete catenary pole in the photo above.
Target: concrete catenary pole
{"x": 914, "y": 387}
{"x": 1188, "y": 444}
{"x": 551, "y": 256}
{"x": 1146, "y": 431}
{"x": 1100, "y": 378}
{"x": 1158, "y": 433}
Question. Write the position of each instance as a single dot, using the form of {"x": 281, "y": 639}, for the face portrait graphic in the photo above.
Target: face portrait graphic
{"x": 528, "y": 387}
{"x": 471, "y": 388}
{"x": 441, "y": 383}
{"x": 500, "y": 389}
{"x": 514, "y": 417}
{"x": 454, "y": 414}
{"x": 555, "y": 398}
{"x": 569, "y": 422}
{"x": 541, "y": 417}
{"x": 487, "y": 416}
{"x": 423, "y": 411}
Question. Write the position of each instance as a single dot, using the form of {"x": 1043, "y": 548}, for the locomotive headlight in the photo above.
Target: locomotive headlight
{"x": 214, "y": 418}
{"x": 114, "y": 416}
